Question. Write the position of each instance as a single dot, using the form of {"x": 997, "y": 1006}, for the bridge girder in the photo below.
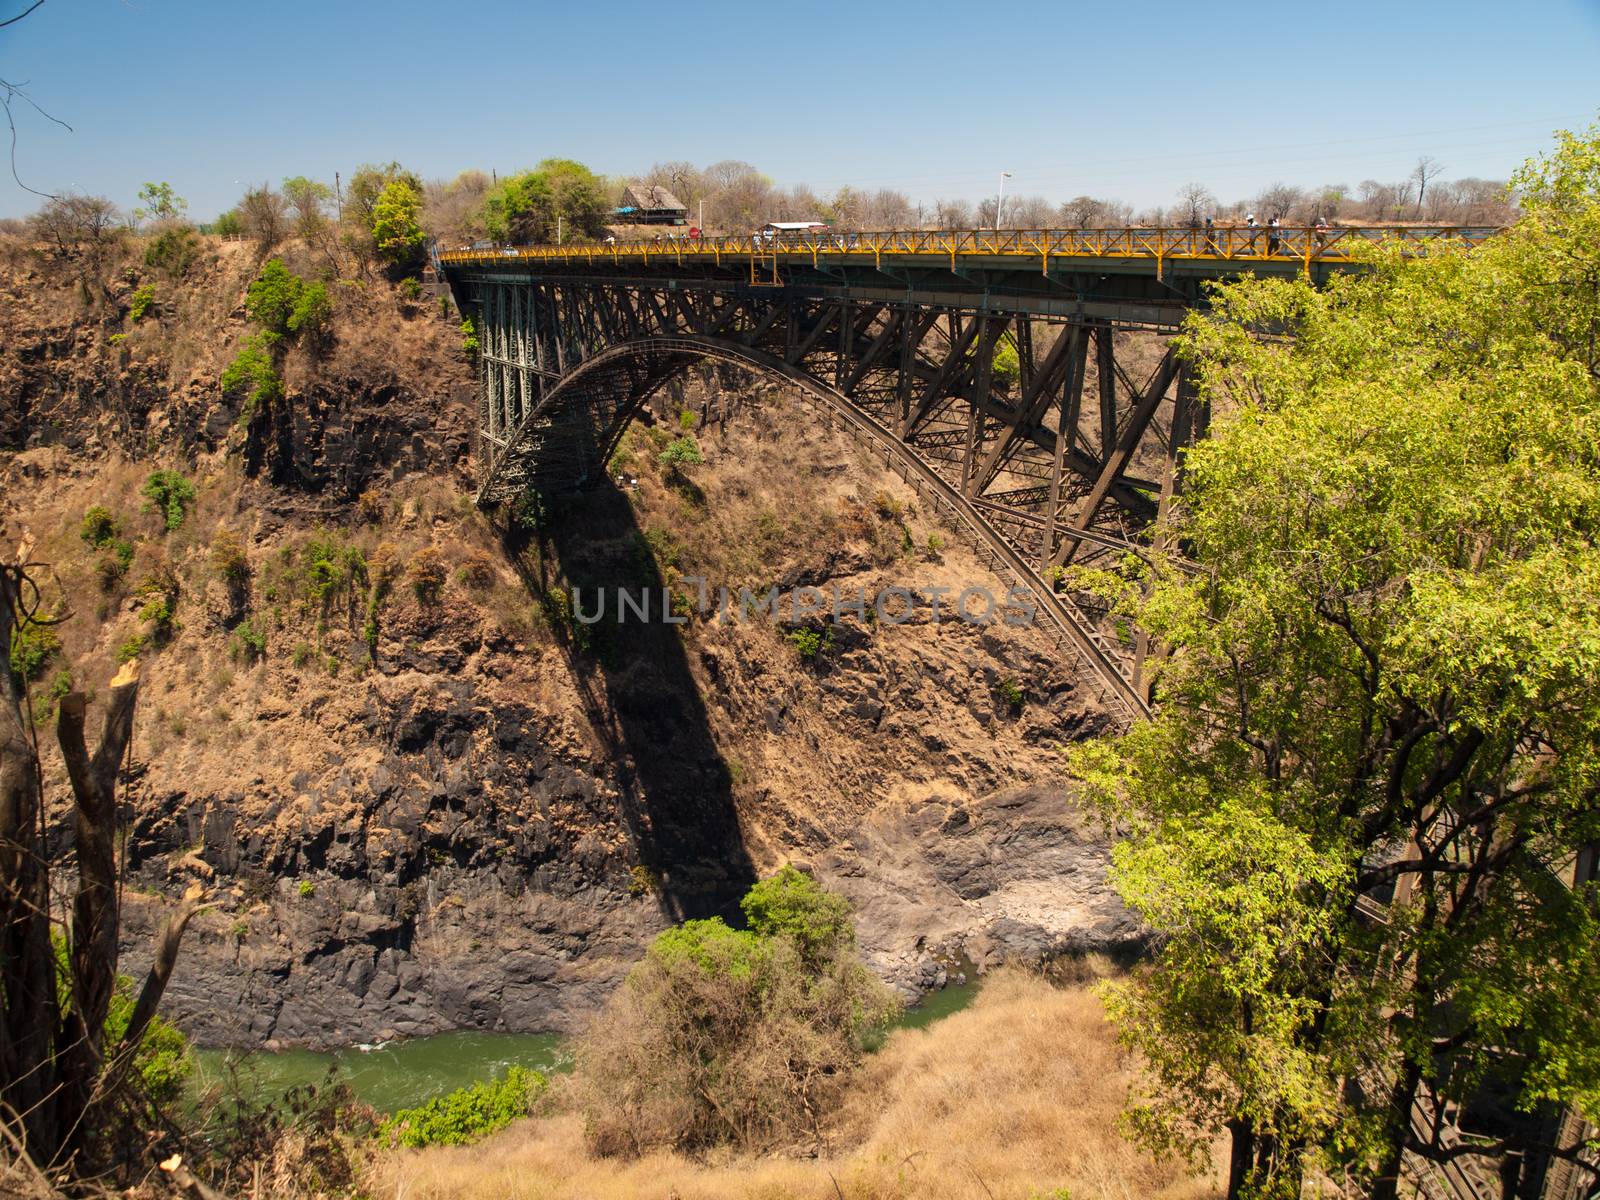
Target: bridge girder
{"x": 1034, "y": 477}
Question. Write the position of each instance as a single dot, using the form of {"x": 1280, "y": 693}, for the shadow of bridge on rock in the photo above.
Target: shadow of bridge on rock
{"x": 640, "y": 697}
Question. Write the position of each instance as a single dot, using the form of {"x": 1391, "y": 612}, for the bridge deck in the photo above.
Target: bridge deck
{"x": 1221, "y": 250}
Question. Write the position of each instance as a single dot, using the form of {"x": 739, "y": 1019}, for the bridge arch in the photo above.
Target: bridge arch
{"x": 577, "y": 424}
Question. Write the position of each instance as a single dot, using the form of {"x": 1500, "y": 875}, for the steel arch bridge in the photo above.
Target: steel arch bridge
{"x": 1063, "y": 459}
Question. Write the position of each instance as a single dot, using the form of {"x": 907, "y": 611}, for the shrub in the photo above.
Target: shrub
{"x": 887, "y": 507}
{"x": 229, "y": 224}
{"x": 469, "y": 337}
{"x": 159, "y": 591}
{"x": 131, "y": 648}
{"x": 384, "y": 569}
{"x": 249, "y": 643}
{"x": 228, "y": 557}
{"x": 99, "y": 527}
{"x": 174, "y": 250}
{"x": 114, "y": 566}
{"x": 793, "y": 904}
{"x": 162, "y": 1062}
{"x": 723, "y": 1035}
{"x": 170, "y": 494}
{"x": 467, "y": 1114}
{"x": 1011, "y": 692}
{"x": 528, "y": 514}
{"x": 307, "y": 889}
{"x": 252, "y": 377}
{"x": 808, "y": 643}
{"x": 411, "y": 288}
{"x": 1006, "y": 363}
{"x": 477, "y": 572}
{"x": 686, "y": 420}
{"x": 33, "y": 644}
{"x": 329, "y": 567}
{"x": 302, "y": 654}
{"x": 143, "y": 298}
{"x": 312, "y": 316}
{"x": 681, "y": 452}
{"x": 426, "y": 573}
{"x": 271, "y": 299}
{"x": 370, "y": 506}
{"x": 935, "y": 544}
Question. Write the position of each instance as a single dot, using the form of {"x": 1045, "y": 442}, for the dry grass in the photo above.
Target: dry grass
{"x": 1013, "y": 1099}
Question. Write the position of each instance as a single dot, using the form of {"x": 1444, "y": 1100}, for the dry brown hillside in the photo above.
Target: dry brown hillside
{"x": 422, "y": 794}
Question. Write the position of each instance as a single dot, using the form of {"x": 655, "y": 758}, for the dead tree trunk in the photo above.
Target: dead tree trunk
{"x": 54, "y": 1073}
{"x": 29, "y": 1014}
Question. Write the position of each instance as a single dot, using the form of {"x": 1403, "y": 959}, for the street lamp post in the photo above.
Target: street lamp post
{"x": 1000, "y": 203}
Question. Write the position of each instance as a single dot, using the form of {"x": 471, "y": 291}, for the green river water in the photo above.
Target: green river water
{"x": 405, "y": 1073}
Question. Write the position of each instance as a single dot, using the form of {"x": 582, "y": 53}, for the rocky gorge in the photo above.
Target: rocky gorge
{"x": 418, "y": 793}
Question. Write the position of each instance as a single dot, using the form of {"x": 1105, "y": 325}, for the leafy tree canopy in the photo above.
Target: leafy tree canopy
{"x": 526, "y": 208}
{"x": 1384, "y": 691}
{"x": 157, "y": 201}
{"x": 397, "y": 223}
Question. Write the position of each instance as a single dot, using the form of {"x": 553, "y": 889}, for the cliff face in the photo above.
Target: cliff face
{"x": 422, "y": 792}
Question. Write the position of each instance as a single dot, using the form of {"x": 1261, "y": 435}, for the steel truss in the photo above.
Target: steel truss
{"x": 1064, "y": 460}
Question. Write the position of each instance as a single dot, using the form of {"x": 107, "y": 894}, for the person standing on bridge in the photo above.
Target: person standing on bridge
{"x": 1251, "y": 224}
{"x": 1273, "y": 238}
{"x": 1211, "y": 237}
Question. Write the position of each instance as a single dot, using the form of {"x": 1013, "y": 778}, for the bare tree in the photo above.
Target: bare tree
{"x": 1195, "y": 203}
{"x": 683, "y": 179}
{"x": 737, "y": 196}
{"x": 59, "y": 1080}
{"x": 1329, "y": 202}
{"x": 77, "y": 226}
{"x": 844, "y": 210}
{"x": 952, "y": 214}
{"x": 1084, "y": 212}
{"x": 308, "y": 200}
{"x": 1482, "y": 201}
{"x": 1029, "y": 212}
{"x": 265, "y": 216}
{"x": 1279, "y": 201}
{"x": 1427, "y": 168}
{"x": 452, "y": 213}
{"x": 799, "y": 203}
{"x": 886, "y": 209}
{"x": 10, "y": 92}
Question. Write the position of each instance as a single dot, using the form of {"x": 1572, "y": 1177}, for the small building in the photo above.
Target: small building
{"x": 781, "y": 227}
{"x": 649, "y": 204}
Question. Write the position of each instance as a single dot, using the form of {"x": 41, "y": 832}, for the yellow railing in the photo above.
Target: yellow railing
{"x": 1305, "y": 245}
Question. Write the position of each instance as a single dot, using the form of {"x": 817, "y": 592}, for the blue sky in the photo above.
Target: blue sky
{"x": 1124, "y": 100}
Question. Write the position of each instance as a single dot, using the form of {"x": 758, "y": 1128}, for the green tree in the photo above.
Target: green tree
{"x": 1382, "y": 692}
{"x": 252, "y": 377}
{"x": 368, "y": 183}
{"x": 312, "y": 316}
{"x": 397, "y": 224}
{"x": 520, "y": 209}
{"x": 308, "y": 200}
{"x": 157, "y": 201}
{"x": 272, "y": 297}
{"x": 559, "y": 197}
